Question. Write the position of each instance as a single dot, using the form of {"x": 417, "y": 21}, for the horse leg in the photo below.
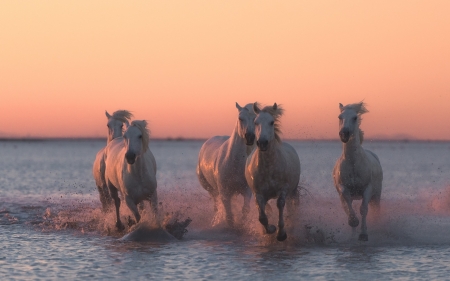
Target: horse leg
{"x": 261, "y": 203}
{"x": 105, "y": 197}
{"x": 132, "y": 206}
{"x": 246, "y": 207}
{"x": 154, "y": 203}
{"x": 281, "y": 201}
{"x": 115, "y": 196}
{"x": 346, "y": 201}
{"x": 364, "y": 209}
{"x": 212, "y": 192}
{"x": 226, "y": 201}
{"x": 375, "y": 204}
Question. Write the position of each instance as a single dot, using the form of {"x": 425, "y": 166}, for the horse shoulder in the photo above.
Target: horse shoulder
{"x": 377, "y": 170}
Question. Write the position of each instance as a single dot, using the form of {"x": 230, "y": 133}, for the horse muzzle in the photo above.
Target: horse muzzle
{"x": 263, "y": 145}
{"x": 249, "y": 138}
{"x": 130, "y": 157}
{"x": 344, "y": 135}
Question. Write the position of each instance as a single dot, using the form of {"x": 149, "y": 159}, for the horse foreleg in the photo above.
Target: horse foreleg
{"x": 364, "y": 209}
{"x": 346, "y": 201}
{"x": 115, "y": 196}
{"x": 132, "y": 206}
{"x": 261, "y": 203}
{"x": 281, "y": 201}
{"x": 226, "y": 201}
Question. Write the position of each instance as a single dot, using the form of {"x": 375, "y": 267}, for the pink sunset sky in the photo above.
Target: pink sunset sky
{"x": 182, "y": 65}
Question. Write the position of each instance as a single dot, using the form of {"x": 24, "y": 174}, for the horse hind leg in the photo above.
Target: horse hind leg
{"x": 115, "y": 196}
{"x": 261, "y": 202}
{"x": 154, "y": 204}
{"x": 364, "y": 209}
{"x": 105, "y": 197}
{"x": 281, "y": 201}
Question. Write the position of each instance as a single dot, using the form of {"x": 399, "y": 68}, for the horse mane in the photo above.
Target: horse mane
{"x": 249, "y": 106}
{"x": 142, "y": 126}
{"x": 122, "y": 115}
{"x": 276, "y": 114}
{"x": 360, "y": 109}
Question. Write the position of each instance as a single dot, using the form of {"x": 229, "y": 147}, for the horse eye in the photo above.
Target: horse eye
{"x": 354, "y": 118}
{"x": 271, "y": 123}
{"x": 140, "y": 137}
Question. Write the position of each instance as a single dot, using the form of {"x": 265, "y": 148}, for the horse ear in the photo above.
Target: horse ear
{"x": 107, "y": 115}
{"x": 341, "y": 107}
{"x": 275, "y": 106}
{"x": 238, "y": 106}
{"x": 256, "y": 108}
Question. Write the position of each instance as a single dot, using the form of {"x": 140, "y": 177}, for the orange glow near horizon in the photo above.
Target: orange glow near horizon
{"x": 182, "y": 65}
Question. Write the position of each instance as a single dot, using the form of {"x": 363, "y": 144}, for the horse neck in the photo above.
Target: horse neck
{"x": 139, "y": 166}
{"x": 267, "y": 157}
{"x": 353, "y": 149}
{"x": 236, "y": 142}
{"x": 110, "y": 138}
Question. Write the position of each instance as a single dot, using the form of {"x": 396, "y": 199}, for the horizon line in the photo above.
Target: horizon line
{"x": 2, "y": 139}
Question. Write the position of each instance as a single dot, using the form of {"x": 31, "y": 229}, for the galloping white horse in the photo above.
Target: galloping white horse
{"x": 115, "y": 125}
{"x": 273, "y": 169}
{"x": 221, "y": 164}
{"x": 131, "y": 169}
{"x": 357, "y": 173}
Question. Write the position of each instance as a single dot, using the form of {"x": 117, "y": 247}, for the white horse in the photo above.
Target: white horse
{"x": 115, "y": 129}
{"x": 273, "y": 169}
{"x": 357, "y": 173}
{"x": 131, "y": 169}
{"x": 221, "y": 164}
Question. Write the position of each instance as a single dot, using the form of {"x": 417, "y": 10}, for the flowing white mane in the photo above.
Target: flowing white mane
{"x": 142, "y": 126}
{"x": 122, "y": 115}
{"x": 276, "y": 114}
{"x": 360, "y": 109}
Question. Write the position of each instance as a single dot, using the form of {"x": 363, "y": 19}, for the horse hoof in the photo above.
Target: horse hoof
{"x": 130, "y": 222}
{"x": 363, "y": 237}
{"x": 271, "y": 229}
{"x": 353, "y": 221}
{"x": 119, "y": 226}
{"x": 281, "y": 237}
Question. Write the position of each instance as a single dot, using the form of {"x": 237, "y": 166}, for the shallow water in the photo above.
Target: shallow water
{"x": 51, "y": 225}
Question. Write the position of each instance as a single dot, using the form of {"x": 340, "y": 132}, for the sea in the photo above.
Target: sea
{"x": 52, "y": 226}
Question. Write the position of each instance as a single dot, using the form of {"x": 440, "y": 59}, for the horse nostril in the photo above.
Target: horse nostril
{"x": 130, "y": 157}
{"x": 250, "y": 138}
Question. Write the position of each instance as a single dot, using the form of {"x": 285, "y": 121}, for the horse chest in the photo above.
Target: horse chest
{"x": 354, "y": 179}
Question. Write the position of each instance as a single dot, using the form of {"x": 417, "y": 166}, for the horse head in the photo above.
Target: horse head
{"x": 267, "y": 125}
{"x": 136, "y": 138}
{"x": 246, "y": 125}
{"x": 350, "y": 119}
{"x": 115, "y": 123}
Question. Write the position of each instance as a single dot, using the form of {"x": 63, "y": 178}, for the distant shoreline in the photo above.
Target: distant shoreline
{"x": 180, "y": 139}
